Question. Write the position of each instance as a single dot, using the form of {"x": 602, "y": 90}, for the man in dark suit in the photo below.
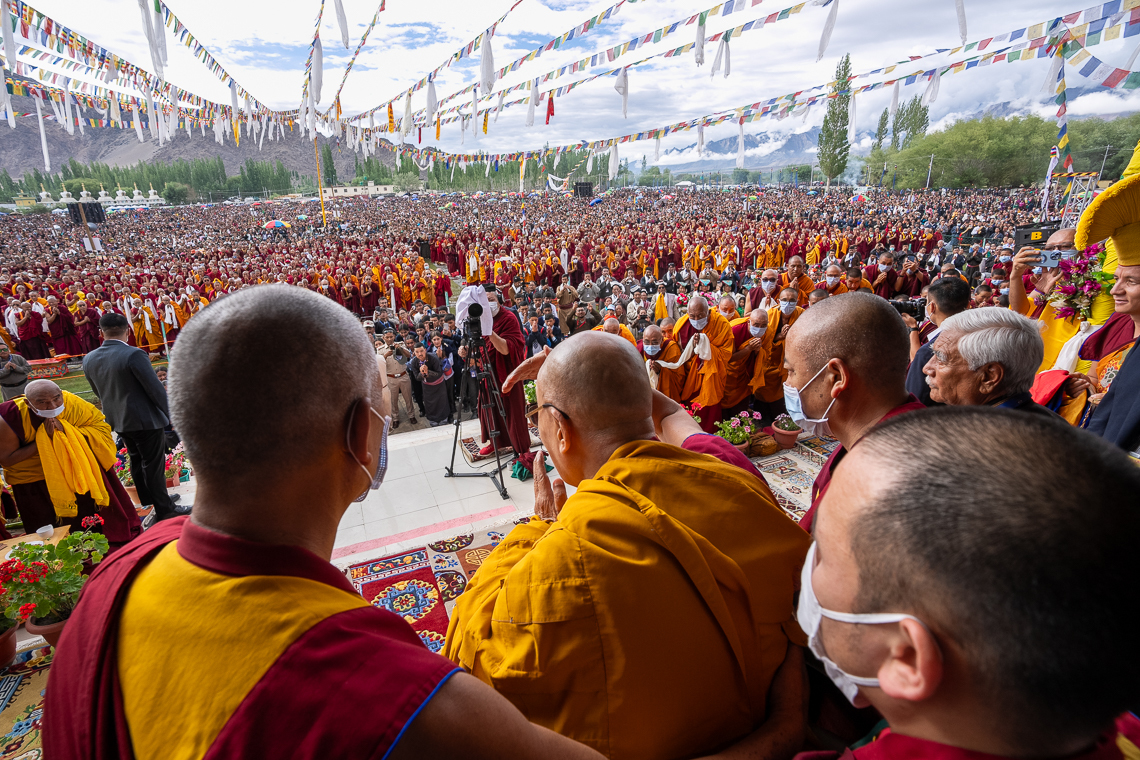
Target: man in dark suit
{"x": 134, "y": 403}
{"x": 945, "y": 297}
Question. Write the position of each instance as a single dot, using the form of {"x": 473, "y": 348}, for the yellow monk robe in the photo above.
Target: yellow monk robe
{"x": 623, "y": 331}
{"x": 7, "y": 338}
{"x": 148, "y": 333}
{"x": 705, "y": 383}
{"x": 649, "y": 619}
{"x": 774, "y": 373}
{"x": 669, "y": 381}
{"x": 745, "y": 376}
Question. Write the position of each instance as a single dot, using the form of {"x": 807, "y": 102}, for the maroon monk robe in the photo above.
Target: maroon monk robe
{"x": 886, "y": 288}
{"x": 63, "y": 335}
{"x": 912, "y": 286}
{"x": 383, "y": 673}
{"x": 120, "y": 520}
{"x": 31, "y": 338}
{"x": 507, "y": 327}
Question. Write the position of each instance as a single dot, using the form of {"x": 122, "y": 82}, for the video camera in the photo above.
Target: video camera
{"x": 472, "y": 329}
{"x": 1034, "y": 235}
{"x": 915, "y": 307}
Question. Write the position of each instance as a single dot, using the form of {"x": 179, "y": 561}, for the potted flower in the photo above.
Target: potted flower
{"x": 738, "y": 431}
{"x": 123, "y": 471}
{"x": 42, "y": 582}
{"x": 531, "y": 394}
{"x": 8, "y": 628}
{"x": 175, "y": 465}
{"x": 785, "y": 431}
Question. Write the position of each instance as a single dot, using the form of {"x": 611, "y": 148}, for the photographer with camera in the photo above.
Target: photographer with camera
{"x": 944, "y": 298}
{"x": 502, "y": 349}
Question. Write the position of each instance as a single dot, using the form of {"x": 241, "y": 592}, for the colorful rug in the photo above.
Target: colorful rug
{"x": 421, "y": 585}
{"x": 21, "y": 704}
{"x": 790, "y": 473}
{"x": 471, "y": 448}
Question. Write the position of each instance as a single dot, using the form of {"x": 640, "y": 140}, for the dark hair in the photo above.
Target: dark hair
{"x": 1036, "y": 582}
{"x": 952, "y": 294}
{"x": 113, "y": 322}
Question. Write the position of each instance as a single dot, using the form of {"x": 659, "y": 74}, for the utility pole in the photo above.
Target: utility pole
{"x": 1103, "y": 161}
{"x": 930, "y": 168}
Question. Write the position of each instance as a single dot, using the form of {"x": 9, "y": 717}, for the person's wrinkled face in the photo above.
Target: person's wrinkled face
{"x": 949, "y": 376}
{"x": 795, "y": 269}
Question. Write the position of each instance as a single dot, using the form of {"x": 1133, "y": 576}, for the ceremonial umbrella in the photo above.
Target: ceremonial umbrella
{"x": 275, "y": 223}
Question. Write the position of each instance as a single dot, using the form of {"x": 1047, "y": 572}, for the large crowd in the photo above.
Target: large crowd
{"x": 962, "y": 586}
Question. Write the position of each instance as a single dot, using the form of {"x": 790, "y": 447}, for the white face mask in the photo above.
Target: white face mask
{"x": 810, "y": 614}
{"x": 698, "y": 324}
{"x": 787, "y": 306}
{"x": 768, "y": 287}
{"x": 885, "y": 267}
{"x": 494, "y": 308}
{"x": 728, "y": 314}
{"x": 795, "y": 407}
{"x": 831, "y": 281}
{"x": 49, "y": 413}
{"x": 756, "y": 331}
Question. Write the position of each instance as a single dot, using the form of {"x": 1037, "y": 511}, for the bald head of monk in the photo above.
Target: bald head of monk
{"x": 848, "y": 357}
{"x": 43, "y": 395}
{"x": 758, "y": 318}
{"x": 698, "y": 308}
{"x": 652, "y": 336}
{"x": 593, "y": 396}
{"x": 279, "y": 451}
{"x": 612, "y": 326}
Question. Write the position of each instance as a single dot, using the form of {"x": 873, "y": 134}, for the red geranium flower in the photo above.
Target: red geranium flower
{"x": 27, "y": 610}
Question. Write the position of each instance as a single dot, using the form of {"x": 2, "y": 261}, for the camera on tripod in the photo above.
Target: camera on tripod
{"x": 915, "y": 307}
{"x": 472, "y": 329}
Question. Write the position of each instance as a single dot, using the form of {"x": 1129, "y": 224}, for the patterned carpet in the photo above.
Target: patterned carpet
{"x": 421, "y": 585}
{"x": 21, "y": 704}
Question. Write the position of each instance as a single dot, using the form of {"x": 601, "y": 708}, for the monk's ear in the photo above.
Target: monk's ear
{"x": 840, "y": 375}
{"x": 913, "y": 669}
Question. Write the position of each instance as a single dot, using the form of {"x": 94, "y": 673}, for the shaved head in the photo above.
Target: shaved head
{"x": 44, "y": 394}
{"x": 578, "y": 368}
{"x": 652, "y": 333}
{"x": 698, "y": 307}
{"x": 612, "y": 326}
{"x": 862, "y": 330}
{"x": 239, "y": 398}
{"x": 758, "y": 318}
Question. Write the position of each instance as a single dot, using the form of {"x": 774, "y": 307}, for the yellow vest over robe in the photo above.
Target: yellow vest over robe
{"x": 743, "y": 381}
{"x": 704, "y": 381}
{"x": 649, "y": 619}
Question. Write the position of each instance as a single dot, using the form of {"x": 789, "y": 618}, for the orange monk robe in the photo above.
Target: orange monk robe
{"x": 772, "y": 388}
{"x": 623, "y": 331}
{"x": 669, "y": 381}
{"x": 148, "y": 333}
{"x": 649, "y": 619}
{"x": 746, "y": 374}
{"x": 704, "y": 380}
{"x": 805, "y": 285}
{"x": 838, "y": 290}
{"x": 7, "y": 338}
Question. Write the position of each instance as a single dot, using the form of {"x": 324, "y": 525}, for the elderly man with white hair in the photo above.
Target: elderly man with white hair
{"x": 986, "y": 357}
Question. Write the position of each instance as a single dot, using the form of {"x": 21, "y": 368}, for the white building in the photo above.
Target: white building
{"x": 370, "y": 190}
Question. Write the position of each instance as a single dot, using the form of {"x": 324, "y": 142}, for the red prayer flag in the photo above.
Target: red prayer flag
{"x": 549, "y": 107}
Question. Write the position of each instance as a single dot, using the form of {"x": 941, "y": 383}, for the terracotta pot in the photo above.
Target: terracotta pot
{"x": 51, "y": 633}
{"x": 785, "y": 438}
{"x": 171, "y": 482}
{"x": 743, "y": 448}
{"x": 134, "y": 494}
{"x": 8, "y": 646}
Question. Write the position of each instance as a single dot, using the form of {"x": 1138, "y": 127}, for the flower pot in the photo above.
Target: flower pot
{"x": 171, "y": 482}
{"x": 133, "y": 493}
{"x": 785, "y": 438}
{"x": 744, "y": 447}
{"x": 51, "y": 633}
{"x": 8, "y": 646}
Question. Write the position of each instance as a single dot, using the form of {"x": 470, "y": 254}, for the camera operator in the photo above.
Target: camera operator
{"x": 944, "y": 298}
{"x": 504, "y": 350}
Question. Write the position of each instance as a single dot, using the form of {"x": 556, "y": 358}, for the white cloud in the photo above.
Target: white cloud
{"x": 264, "y": 43}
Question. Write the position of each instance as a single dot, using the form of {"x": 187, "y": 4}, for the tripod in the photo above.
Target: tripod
{"x": 490, "y": 400}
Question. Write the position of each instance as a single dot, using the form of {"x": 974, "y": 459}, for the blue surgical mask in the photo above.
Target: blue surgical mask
{"x": 831, "y": 281}
{"x": 1005, "y": 291}
{"x": 756, "y": 331}
{"x": 768, "y": 287}
{"x": 787, "y": 306}
{"x": 698, "y": 324}
{"x": 382, "y": 460}
{"x": 885, "y": 267}
{"x": 1004, "y": 258}
{"x": 795, "y": 407}
{"x": 651, "y": 349}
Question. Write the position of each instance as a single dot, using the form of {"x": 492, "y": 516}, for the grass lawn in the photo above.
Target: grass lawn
{"x": 76, "y": 383}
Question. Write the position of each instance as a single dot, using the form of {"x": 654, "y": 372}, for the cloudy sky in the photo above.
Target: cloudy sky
{"x": 264, "y": 43}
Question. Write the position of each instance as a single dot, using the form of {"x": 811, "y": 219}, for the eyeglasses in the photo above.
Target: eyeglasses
{"x": 533, "y": 415}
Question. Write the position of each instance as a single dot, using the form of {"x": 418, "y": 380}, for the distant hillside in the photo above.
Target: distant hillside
{"x": 20, "y": 148}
